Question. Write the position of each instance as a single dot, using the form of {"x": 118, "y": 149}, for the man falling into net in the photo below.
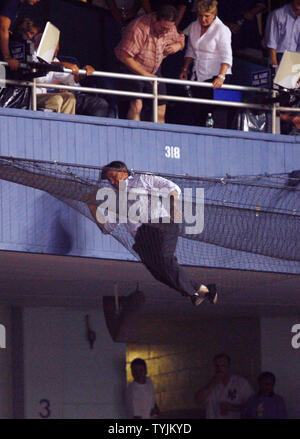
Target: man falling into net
{"x": 154, "y": 243}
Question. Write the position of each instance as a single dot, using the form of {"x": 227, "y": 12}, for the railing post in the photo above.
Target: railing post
{"x": 274, "y": 114}
{"x": 155, "y": 101}
{"x": 33, "y": 95}
{"x": 275, "y": 122}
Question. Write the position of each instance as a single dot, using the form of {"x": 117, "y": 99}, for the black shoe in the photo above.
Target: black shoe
{"x": 196, "y": 299}
{"x": 212, "y": 295}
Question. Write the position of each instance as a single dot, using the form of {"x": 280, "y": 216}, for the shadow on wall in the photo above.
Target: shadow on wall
{"x": 60, "y": 236}
{"x": 52, "y": 228}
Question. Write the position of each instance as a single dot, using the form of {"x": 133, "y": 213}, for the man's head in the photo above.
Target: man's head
{"x": 114, "y": 172}
{"x": 222, "y": 364}
{"x": 207, "y": 12}
{"x": 166, "y": 17}
{"x": 30, "y": 2}
{"x": 266, "y": 382}
{"x": 139, "y": 370}
{"x": 27, "y": 29}
{"x": 296, "y": 6}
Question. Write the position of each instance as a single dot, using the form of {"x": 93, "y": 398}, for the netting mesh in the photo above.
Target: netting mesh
{"x": 249, "y": 222}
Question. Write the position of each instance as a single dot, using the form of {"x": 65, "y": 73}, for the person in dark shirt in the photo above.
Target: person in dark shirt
{"x": 241, "y": 18}
{"x": 183, "y": 8}
{"x": 8, "y": 14}
{"x": 265, "y": 404}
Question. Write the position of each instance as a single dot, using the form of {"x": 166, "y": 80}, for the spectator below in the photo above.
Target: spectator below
{"x": 140, "y": 394}
{"x": 209, "y": 56}
{"x": 265, "y": 404}
{"x": 283, "y": 31}
{"x": 225, "y": 395}
{"x": 241, "y": 18}
{"x": 144, "y": 45}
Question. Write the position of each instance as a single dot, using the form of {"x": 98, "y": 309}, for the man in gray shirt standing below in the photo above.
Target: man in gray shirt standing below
{"x": 283, "y": 31}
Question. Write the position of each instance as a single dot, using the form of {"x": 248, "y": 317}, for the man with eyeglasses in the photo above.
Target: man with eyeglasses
{"x": 145, "y": 43}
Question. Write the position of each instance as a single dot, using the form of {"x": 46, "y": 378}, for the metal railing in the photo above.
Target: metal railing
{"x": 274, "y": 108}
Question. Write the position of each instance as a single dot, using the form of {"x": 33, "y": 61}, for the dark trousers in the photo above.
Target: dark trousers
{"x": 219, "y": 113}
{"x": 89, "y": 105}
{"x": 156, "y": 246}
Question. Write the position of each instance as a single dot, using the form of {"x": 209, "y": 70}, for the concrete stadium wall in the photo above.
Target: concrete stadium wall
{"x": 280, "y": 357}
{"x": 6, "y": 378}
{"x": 63, "y": 377}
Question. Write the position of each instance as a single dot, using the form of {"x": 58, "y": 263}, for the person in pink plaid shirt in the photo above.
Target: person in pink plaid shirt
{"x": 145, "y": 43}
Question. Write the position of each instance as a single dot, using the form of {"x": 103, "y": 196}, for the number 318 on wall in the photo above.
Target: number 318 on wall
{"x": 172, "y": 152}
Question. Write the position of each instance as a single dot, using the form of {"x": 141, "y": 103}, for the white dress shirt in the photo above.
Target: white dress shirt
{"x": 51, "y": 77}
{"x": 142, "y": 191}
{"x": 283, "y": 30}
{"x": 210, "y": 50}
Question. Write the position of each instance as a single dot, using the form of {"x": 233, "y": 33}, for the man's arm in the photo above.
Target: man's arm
{"x": 186, "y": 67}
{"x": 202, "y": 394}
{"x": 91, "y": 203}
{"x": 219, "y": 81}
{"x": 155, "y": 410}
{"x": 174, "y": 48}
{"x": 273, "y": 56}
{"x": 132, "y": 64}
{"x": 181, "y": 11}
{"x": 4, "y": 43}
{"x": 111, "y": 4}
{"x": 257, "y": 9}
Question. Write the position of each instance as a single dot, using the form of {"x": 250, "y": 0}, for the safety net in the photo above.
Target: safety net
{"x": 247, "y": 222}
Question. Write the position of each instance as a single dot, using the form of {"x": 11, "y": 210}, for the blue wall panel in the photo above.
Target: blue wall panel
{"x": 33, "y": 221}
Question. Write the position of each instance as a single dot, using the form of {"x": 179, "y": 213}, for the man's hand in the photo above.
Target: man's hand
{"x": 89, "y": 70}
{"x": 74, "y": 68}
{"x": 184, "y": 75}
{"x": 155, "y": 411}
{"x": 13, "y": 63}
{"x": 172, "y": 48}
{"x": 218, "y": 82}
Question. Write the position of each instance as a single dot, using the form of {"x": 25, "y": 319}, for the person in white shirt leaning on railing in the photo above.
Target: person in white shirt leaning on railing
{"x": 209, "y": 56}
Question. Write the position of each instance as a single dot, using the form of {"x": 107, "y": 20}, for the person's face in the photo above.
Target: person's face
{"x": 31, "y": 33}
{"x": 266, "y": 386}
{"x": 32, "y": 2}
{"x": 163, "y": 26}
{"x": 139, "y": 373}
{"x": 222, "y": 366}
{"x": 115, "y": 176}
{"x": 206, "y": 18}
{"x": 296, "y": 6}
